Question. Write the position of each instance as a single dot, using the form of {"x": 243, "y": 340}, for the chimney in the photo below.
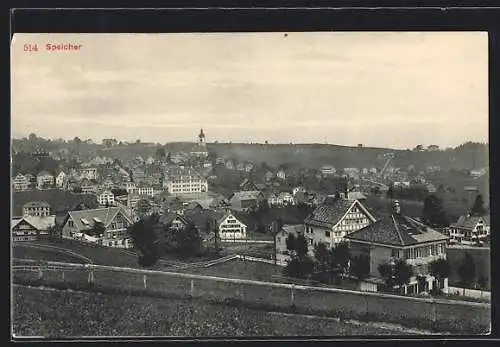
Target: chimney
{"x": 346, "y": 191}
{"x": 396, "y": 207}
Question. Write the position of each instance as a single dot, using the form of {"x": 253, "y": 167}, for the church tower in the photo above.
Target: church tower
{"x": 201, "y": 139}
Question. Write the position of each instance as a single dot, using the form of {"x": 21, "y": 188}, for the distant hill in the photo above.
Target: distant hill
{"x": 315, "y": 155}
{"x": 467, "y": 156}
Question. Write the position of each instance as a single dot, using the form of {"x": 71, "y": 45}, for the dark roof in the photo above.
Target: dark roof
{"x": 36, "y": 204}
{"x": 397, "y": 230}
{"x": 328, "y": 215}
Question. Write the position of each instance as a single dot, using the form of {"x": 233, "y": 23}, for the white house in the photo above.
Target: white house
{"x": 61, "y": 179}
{"x": 231, "y": 227}
{"x": 469, "y": 230}
{"x": 20, "y": 182}
{"x": 44, "y": 180}
{"x": 106, "y": 198}
{"x": 281, "y": 174}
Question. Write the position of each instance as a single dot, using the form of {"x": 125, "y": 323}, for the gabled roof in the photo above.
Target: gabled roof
{"x": 328, "y": 215}
{"x": 39, "y": 223}
{"x": 246, "y": 195}
{"x": 105, "y": 215}
{"x": 240, "y": 217}
{"x": 469, "y": 222}
{"x": 397, "y": 230}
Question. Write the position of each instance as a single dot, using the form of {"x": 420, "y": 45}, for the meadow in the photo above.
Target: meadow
{"x": 54, "y": 313}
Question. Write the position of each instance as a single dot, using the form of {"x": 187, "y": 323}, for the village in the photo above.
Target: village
{"x": 343, "y": 226}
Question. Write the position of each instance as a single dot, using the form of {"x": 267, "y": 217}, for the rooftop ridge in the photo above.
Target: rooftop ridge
{"x": 397, "y": 230}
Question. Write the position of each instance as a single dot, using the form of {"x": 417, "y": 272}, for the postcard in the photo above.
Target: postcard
{"x": 263, "y": 184}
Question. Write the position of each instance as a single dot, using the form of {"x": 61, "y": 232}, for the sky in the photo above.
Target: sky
{"x": 384, "y": 89}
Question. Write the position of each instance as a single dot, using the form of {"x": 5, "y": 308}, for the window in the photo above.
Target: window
{"x": 395, "y": 253}
{"x": 327, "y": 233}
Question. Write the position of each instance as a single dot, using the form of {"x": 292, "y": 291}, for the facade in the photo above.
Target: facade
{"x": 44, "y": 180}
{"x": 61, "y": 179}
{"x": 330, "y": 223}
{"x": 106, "y": 198}
{"x": 78, "y": 225}
{"x": 139, "y": 189}
{"x": 36, "y": 208}
{"x": 281, "y": 199}
{"x": 185, "y": 181}
{"x": 231, "y": 227}
{"x": 89, "y": 173}
{"x": 20, "y": 182}
{"x": 30, "y": 228}
{"x": 469, "y": 230}
{"x": 401, "y": 237}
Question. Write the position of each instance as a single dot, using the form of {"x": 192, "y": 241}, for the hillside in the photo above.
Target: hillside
{"x": 466, "y": 156}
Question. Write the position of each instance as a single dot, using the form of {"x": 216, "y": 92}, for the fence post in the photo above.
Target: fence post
{"x": 40, "y": 273}
{"x": 192, "y": 288}
{"x": 292, "y": 298}
{"x": 242, "y": 294}
{"x": 145, "y": 280}
{"x": 63, "y": 279}
{"x": 91, "y": 277}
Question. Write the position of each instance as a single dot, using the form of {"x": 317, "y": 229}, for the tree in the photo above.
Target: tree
{"x": 387, "y": 273}
{"x": 32, "y": 137}
{"x": 402, "y": 272}
{"x": 300, "y": 246}
{"x": 360, "y": 267}
{"x": 188, "y": 240}
{"x": 322, "y": 256}
{"x": 145, "y": 240}
{"x": 433, "y": 212}
{"x": 77, "y": 140}
{"x": 138, "y": 141}
{"x": 300, "y": 265}
{"x": 478, "y": 207}
{"x": 290, "y": 242}
{"x": 440, "y": 269}
{"x": 467, "y": 271}
{"x": 97, "y": 230}
{"x": 342, "y": 256}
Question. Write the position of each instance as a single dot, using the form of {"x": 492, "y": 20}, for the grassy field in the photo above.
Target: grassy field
{"x": 240, "y": 269}
{"x": 99, "y": 255}
{"x": 55, "y": 314}
{"x": 21, "y": 252}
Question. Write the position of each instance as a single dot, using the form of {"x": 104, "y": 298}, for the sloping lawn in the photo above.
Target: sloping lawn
{"x": 55, "y": 314}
